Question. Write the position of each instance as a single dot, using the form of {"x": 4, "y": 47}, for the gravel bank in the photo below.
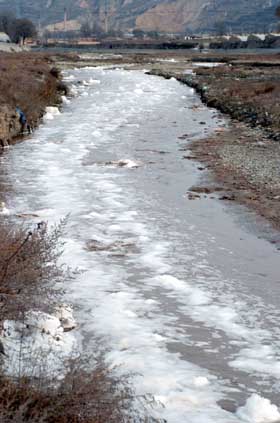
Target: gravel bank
{"x": 244, "y": 158}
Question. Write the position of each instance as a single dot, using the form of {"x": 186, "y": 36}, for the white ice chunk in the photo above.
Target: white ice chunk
{"x": 258, "y": 410}
{"x": 3, "y": 209}
{"x": 51, "y": 111}
{"x": 65, "y": 100}
{"x": 65, "y": 315}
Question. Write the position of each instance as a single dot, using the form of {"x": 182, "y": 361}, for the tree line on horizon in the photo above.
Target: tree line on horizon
{"x": 17, "y": 29}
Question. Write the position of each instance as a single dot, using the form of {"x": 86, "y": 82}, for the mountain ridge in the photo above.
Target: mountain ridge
{"x": 177, "y": 16}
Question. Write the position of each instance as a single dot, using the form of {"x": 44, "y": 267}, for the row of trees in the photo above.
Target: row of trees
{"x": 17, "y": 29}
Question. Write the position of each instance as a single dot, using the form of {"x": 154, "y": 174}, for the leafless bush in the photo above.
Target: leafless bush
{"x": 29, "y": 270}
{"x": 83, "y": 397}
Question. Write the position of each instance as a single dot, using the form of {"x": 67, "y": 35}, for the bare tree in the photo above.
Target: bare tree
{"x": 23, "y": 28}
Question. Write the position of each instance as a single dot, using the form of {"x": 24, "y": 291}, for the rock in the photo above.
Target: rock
{"x": 2, "y": 349}
{"x": 4, "y": 143}
{"x": 10, "y": 126}
{"x": 26, "y": 215}
{"x": 192, "y": 196}
{"x": 190, "y": 157}
{"x": 201, "y": 190}
{"x": 227, "y": 197}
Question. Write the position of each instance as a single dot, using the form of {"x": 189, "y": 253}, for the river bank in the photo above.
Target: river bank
{"x": 30, "y": 82}
{"x": 244, "y": 156}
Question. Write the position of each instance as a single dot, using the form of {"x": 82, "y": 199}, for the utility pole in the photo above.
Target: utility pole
{"x": 39, "y": 25}
{"x": 65, "y": 19}
{"x": 106, "y": 12}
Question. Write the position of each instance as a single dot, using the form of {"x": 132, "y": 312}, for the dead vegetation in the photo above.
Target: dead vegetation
{"x": 83, "y": 397}
{"x": 29, "y": 270}
{"x": 247, "y": 92}
{"x": 29, "y": 81}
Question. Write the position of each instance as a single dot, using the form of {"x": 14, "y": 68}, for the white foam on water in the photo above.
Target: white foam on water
{"x": 68, "y": 77}
{"x": 124, "y": 299}
{"x": 258, "y": 359}
{"x": 91, "y": 81}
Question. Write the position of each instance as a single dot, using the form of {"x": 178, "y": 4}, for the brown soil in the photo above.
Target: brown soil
{"x": 29, "y": 81}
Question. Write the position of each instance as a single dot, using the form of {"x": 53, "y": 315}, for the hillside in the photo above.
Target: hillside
{"x": 162, "y": 15}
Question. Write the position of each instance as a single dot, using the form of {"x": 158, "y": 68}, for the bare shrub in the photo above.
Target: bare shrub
{"x": 29, "y": 269}
{"x": 82, "y": 397}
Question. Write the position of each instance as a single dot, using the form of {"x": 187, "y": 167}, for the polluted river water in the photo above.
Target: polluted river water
{"x": 180, "y": 293}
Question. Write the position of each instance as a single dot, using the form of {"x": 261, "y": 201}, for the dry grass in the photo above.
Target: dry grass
{"x": 249, "y": 91}
{"x": 96, "y": 397}
{"x": 28, "y": 81}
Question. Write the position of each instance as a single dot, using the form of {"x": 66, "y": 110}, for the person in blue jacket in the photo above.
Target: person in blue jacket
{"x": 22, "y": 120}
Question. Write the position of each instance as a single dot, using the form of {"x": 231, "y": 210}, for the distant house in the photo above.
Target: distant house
{"x": 4, "y": 38}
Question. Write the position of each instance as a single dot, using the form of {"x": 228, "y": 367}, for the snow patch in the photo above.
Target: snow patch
{"x": 40, "y": 340}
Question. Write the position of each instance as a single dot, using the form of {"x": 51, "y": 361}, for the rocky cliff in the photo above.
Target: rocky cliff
{"x": 162, "y": 15}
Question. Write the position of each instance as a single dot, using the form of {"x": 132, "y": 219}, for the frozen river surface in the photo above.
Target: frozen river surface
{"x": 177, "y": 291}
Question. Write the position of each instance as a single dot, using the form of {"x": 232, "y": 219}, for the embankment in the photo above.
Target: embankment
{"x": 28, "y": 81}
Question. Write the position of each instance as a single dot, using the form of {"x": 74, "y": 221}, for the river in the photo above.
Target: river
{"x": 183, "y": 293}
